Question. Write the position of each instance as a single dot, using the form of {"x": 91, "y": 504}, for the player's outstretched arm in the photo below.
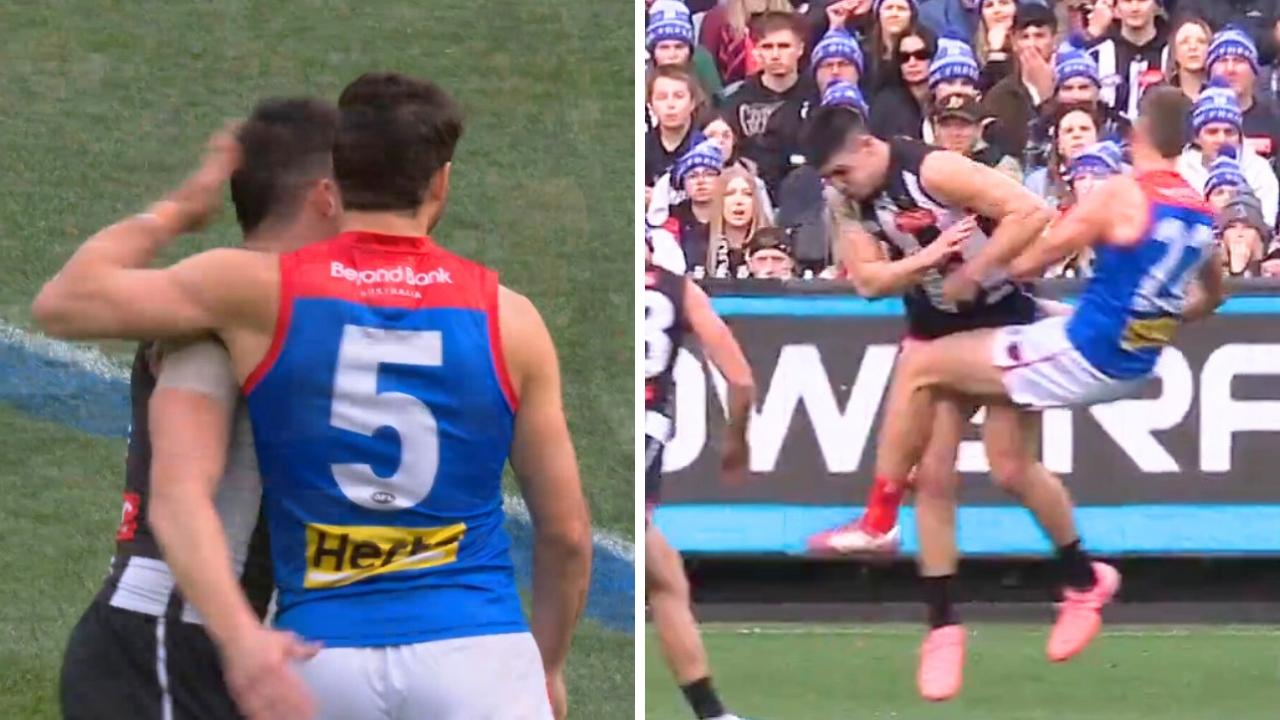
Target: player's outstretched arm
{"x": 107, "y": 289}
{"x": 724, "y": 352}
{"x": 1019, "y": 215}
{"x": 546, "y": 469}
{"x": 1209, "y": 290}
{"x": 1094, "y": 218}
{"x": 191, "y": 413}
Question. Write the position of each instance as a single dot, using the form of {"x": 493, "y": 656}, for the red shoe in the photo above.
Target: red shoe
{"x": 853, "y": 538}
{"x": 1080, "y": 614}
{"x": 941, "y": 663}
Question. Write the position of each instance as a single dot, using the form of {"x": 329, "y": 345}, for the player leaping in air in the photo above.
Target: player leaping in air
{"x": 931, "y": 209}
{"x": 672, "y": 305}
{"x": 1156, "y": 267}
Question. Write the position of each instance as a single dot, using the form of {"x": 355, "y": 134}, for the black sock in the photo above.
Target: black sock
{"x": 1075, "y": 566}
{"x": 937, "y": 597}
{"x": 703, "y": 699}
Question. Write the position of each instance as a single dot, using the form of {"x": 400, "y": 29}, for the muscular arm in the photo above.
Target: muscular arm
{"x": 722, "y": 349}
{"x": 546, "y": 469}
{"x": 1020, "y": 216}
{"x": 107, "y": 290}
{"x": 1099, "y": 215}
{"x": 192, "y": 411}
{"x": 871, "y": 272}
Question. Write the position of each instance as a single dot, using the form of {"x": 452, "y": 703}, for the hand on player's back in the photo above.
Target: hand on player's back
{"x": 260, "y": 674}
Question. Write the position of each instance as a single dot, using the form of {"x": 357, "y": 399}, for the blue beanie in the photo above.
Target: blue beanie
{"x": 875, "y": 8}
{"x": 704, "y": 154}
{"x": 1225, "y": 171}
{"x": 837, "y": 43}
{"x": 845, "y": 94}
{"x": 1100, "y": 159}
{"x": 668, "y": 20}
{"x": 1232, "y": 42}
{"x": 1072, "y": 61}
{"x": 953, "y": 61}
{"x": 1217, "y": 104}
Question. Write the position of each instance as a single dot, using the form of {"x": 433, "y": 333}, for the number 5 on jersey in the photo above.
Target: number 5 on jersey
{"x": 360, "y": 408}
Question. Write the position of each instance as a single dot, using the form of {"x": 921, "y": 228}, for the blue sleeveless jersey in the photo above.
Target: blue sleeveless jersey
{"x": 1132, "y": 306}
{"x": 383, "y": 417}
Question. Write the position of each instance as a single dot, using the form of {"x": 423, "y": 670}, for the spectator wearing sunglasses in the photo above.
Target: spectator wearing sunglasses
{"x": 899, "y": 107}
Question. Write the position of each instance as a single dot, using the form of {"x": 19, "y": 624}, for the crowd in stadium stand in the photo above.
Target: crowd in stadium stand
{"x": 1042, "y": 90}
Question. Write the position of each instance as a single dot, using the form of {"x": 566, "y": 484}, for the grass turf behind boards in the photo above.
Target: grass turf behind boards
{"x": 108, "y": 105}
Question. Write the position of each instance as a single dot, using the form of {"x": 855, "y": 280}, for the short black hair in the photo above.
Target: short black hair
{"x": 1032, "y": 14}
{"x": 1164, "y": 110}
{"x": 286, "y": 144}
{"x": 394, "y": 134}
{"x": 829, "y": 129}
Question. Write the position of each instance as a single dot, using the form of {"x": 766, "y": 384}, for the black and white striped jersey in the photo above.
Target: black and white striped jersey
{"x": 139, "y": 579}
{"x": 906, "y": 218}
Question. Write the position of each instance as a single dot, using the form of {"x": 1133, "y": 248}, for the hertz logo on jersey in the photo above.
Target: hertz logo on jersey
{"x": 339, "y": 555}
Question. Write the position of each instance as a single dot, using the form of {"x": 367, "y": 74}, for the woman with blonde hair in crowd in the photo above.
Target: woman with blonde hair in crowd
{"x": 736, "y": 213}
{"x": 716, "y": 127}
{"x": 1186, "y": 68}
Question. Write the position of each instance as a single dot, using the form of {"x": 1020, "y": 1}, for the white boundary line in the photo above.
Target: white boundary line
{"x": 95, "y": 361}
{"x": 85, "y": 357}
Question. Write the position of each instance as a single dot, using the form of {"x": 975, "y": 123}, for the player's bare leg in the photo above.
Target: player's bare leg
{"x": 1010, "y": 437}
{"x": 960, "y": 364}
{"x": 678, "y": 636}
{"x": 942, "y": 654}
{"x": 877, "y": 530}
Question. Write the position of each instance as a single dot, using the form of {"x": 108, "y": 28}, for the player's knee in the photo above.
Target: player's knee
{"x": 936, "y": 480}
{"x": 1011, "y": 471}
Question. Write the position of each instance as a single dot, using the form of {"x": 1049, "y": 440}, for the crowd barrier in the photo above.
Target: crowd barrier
{"x": 1188, "y": 468}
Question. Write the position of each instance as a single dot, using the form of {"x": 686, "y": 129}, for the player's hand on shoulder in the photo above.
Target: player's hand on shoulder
{"x": 260, "y": 674}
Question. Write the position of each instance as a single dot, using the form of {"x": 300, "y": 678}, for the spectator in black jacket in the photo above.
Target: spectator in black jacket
{"x": 777, "y": 88}
{"x": 837, "y": 57}
{"x": 899, "y": 107}
{"x": 1257, "y": 18}
{"x": 1015, "y": 102}
{"x": 1136, "y": 44}
{"x": 1233, "y": 56}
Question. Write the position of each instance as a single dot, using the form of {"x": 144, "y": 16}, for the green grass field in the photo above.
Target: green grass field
{"x": 821, "y": 672}
{"x": 107, "y": 105}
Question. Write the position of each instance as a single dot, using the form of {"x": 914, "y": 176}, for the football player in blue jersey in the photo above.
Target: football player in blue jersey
{"x": 388, "y": 382}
